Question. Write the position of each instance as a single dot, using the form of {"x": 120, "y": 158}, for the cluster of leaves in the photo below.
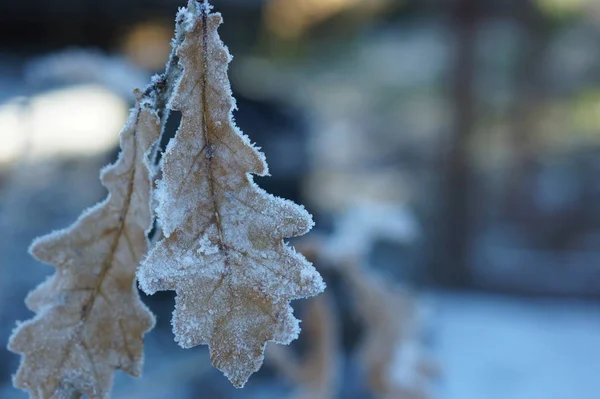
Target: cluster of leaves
{"x": 222, "y": 250}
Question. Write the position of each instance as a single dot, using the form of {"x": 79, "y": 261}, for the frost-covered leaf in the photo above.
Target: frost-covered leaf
{"x": 90, "y": 319}
{"x": 223, "y": 251}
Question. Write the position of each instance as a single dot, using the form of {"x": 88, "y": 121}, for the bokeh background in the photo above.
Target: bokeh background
{"x": 449, "y": 150}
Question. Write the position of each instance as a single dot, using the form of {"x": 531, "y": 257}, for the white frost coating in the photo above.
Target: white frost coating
{"x": 224, "y": 252}
{"x": 206, "y": 246}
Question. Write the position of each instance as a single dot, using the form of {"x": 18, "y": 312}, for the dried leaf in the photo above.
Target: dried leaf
{"x": 316, "y": 373}
{"x": 90, "y": 319}
{"x": 223, "y": 251}
{"x": 394, "y": 360}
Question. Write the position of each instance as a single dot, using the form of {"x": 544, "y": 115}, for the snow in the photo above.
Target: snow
{"x": 498, "y": 348}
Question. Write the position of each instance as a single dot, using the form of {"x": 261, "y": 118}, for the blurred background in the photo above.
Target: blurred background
{"x": 449, "y": 150}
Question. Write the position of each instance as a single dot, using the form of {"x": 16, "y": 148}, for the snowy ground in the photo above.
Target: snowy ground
{"x": 499, "y": 348}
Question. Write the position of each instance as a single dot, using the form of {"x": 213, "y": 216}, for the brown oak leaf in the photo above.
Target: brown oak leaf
{"x": 223, "y": 251}
{"x": 90, "y": 319}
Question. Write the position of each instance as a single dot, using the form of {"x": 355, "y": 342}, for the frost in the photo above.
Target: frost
{"x": 90, "y": 319}
{"x": 223, "y": 251}
{"x": 206, "y": 247}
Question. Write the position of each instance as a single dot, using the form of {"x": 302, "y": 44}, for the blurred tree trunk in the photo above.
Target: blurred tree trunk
{"x": 452, "y": 266}
{"x": 526, "y": 113}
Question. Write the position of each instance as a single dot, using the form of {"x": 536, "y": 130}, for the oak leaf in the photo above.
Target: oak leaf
{"x": 223, "y": 251}
{"x": 90, "y": 319}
